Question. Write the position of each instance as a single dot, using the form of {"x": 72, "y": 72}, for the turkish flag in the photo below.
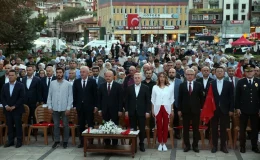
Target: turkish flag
{"x": 209, "y": 107}
{"x": 238, "y": 72}
{"x": 132, "y": 20}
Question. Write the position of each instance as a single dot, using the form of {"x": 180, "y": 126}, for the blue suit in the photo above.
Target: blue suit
{"x": 176, "y": 104}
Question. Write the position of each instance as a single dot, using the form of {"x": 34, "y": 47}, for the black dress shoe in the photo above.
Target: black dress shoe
{"x": 242, "y": 149}
{"x": 177, "y": 136}
{"x": 224, "y": 149}
{"x": 65, "y": 145}
{"x": 80, "y": 146}
{"x": 256, "y": 150}
{"x": 186, "y": 149}
{"x": 55, "y": 144}
{"x": 142, "y": 149}
{"x": 8, "y": 145}
{"x": 18, "y": 145}
{"x": 214, "y": 150}
{"x": 196, "y": 149}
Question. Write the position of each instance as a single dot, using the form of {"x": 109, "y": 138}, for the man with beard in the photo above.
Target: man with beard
{"x": 59, "y": 102}
{"x": 175, "y": 84}
{"x": 102, "y": 70}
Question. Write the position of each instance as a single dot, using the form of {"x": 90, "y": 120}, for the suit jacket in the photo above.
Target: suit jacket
{"x": 224, "y": 101}
{"x": 176, "y": 92}
{"x": 140, "y": 103}
{"x": 190, "y": 103}
{"x": 45, "y": 88}
{"x": 2, "y": 81}
{"x": 205, "y": 90}
{"x": 86, "y": 98}
{"x": 112, "y": 103}
{"x": 34, "y": 93}
{"x": 248, "y": 96}
{"x": 17, "y": 98}
{"x": 100, "y": 80}
{"x": 236, "y": 80}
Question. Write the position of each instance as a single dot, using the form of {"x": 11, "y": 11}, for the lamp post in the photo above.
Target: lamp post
{"x": 140, "y": 25}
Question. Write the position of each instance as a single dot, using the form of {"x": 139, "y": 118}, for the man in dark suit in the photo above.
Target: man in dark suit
{"x": 110, "y": 101}
{"x": 33, "y": 94}
{"x": 138, "y": 106}
{"x": 190, "y": 104}
{"x": 224, "y": 100}
{"x": 85, "y": 100}
{"x": 91, "y": 60}
{"x": 99, "y": 80}
{"x": 175, "y": 84}
{"x": 247, "y": 103}
{"x": 12, "y": 99}
{"x": 45, "y": 83}
{"x": 231, "y": 77}
{"x": 205, "y": 82}
{"x": 4, "y": 79}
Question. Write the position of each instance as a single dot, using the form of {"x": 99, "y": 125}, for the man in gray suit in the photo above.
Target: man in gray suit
{"x": 99, "y": 80}
{"x": 175, "y": 84}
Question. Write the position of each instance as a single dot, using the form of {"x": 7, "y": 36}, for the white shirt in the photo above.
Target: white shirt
{"x": 29, "y": 81}
{"x": 188, "y": 85}
{"x": 172, "y": 84}
{"x": 6, "y": 79}
{"x": 82, "y": 82}
{"x": 205, "y": 81}
{"x": 96, "y": 79}
{"x": 252, "y": 79}
{"x": 111, "y": 83}
{"x": 71, "y": 81}
{"x": 230, "y": 80}
{"x": 162, "y": 96}
{"x": 220, "y": 85}
{"x": 47, "y": 80}
{"x": 11, "y": 88}
{"x": 137, "y": 89}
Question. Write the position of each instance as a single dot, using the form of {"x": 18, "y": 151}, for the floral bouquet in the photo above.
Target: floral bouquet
{"x": 109, "y": 128}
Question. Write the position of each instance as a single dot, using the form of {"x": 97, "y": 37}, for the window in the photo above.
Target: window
{"x": 227, "y": 17}
{"x": 171, "y": 22}
{"x": 117, "y": 10}
{"x": 153, "y": 10}
{"x": 194, "y": 17}
{"x": 118, "y": 23}
{"x": 243, "y": 6}
{"x": 114, "y": 10}
{"x": 235, "y": 6}
{"x": 158, "y": 10}
{"x": 144, "y": 10}
{"x": 149, "y": 23}
{"x": 243, "y": 17}
{"x": 135, "y": 10}
{"x": 211, "y": 17}
{"x": 130, "y": 10}
{"x": 144, "y": 23}
{"x": 171, "y": 10}
{"x": 121, "y": 10}
{"x": 167, "y": 10}
{"x": 227, "y": 6}
{"x": 186, "y": 10}
{"x": 164, "y": 10}
{"x": 235, "y": 16}
{"x": 186, "y": 24}
{"x": 180, "y": 10}
{"x": 163, "y": 22}
{"x": 166, "y": 23}
{"x": 125, "y": 10}
{"x": 200, "y": 17}
{"x": 213, "y": 6}
{"x": 149, "y": 11}
{"x": 180, "y": 22}
{"x": 176, "y": 22}
{"x": 216, "y": 16}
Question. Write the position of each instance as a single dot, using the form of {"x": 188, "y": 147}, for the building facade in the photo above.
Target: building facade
{"x": 161, "y": 20}
{"x": 236, "y": 22}
{"x": 205, "y": 18}
{"x": 254, "y": 15}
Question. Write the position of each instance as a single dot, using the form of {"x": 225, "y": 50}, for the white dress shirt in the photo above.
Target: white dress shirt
{"x": 162, "y": 96}
{"x": 96, "y": 79}
{"x": 137, "y": 89}
{"x": 205, "y": 81}
{"x": 6, "y": 79}
{"x": 82, "y": 82}
{"x": 11, "y": 88}
{"x": 172, "y": 84}
{"x": 252, "y": 80}
{"x": 220, "y": 85}
{"x": 47, "y": 80}
{"x": 188, "y": 85}
{"x": 29, "y": 81}
{"x": 111, "y": 83}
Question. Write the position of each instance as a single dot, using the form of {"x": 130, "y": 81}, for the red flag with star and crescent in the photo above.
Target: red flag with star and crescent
{"x": 132, "y": 20}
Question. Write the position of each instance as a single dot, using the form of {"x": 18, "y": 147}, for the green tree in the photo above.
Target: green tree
{"x": 39, "y": 22}
{"x": 71, "y": 13}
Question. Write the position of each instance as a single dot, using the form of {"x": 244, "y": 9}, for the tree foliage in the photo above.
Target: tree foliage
{"x": 71, "y": 13}
{"x": 16, "y": 29}
{"x": 39, "y": 22}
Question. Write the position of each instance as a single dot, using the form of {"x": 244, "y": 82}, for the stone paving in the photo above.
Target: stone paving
{"x": 38, "y": 151}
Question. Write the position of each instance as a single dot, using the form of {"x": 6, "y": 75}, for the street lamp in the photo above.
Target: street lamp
{"x": 140, "y": 25}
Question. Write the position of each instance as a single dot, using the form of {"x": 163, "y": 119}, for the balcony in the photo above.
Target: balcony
{"x": 206, "y": 11}
{"x": 256, "y": 3}
{"x": 213, "y": 2}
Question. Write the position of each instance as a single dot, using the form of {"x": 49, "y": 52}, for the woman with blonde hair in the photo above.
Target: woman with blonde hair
{"x": 162, "y": 108}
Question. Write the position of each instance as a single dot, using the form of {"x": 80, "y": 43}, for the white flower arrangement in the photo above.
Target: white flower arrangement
{"x": 109, "y": 128}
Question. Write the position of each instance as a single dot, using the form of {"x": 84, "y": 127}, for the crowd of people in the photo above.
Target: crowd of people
{"x": 146, "y": 81}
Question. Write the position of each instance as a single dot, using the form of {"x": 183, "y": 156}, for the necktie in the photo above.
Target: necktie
{"x": 84, "y": 84}
{"x": 250, "y": 81}
{"x": 108, "y": 88}
{"x": 49, "y": 82}
{"x": 190, "y": 89}
{"x": 96, "y": 80}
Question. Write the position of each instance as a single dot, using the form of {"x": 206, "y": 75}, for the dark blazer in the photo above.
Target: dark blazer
{"x": 176, "y": 92}
{"x": 140, "y": 103}
{"x": 225, "y": 101}
{"x": 33, "y": 94}
{"x": 190, "y": 103}
{"x": 45, "y": 88}
{"x": 17, "y": 98}
{"x": 248, "y": 96}
{"x": 2, "y": 81}
{"x": 87, "y": 97}
{"x": 100, "y": 80}
{"x": 112, "y": 103}
{"x": 205, "y": 90}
